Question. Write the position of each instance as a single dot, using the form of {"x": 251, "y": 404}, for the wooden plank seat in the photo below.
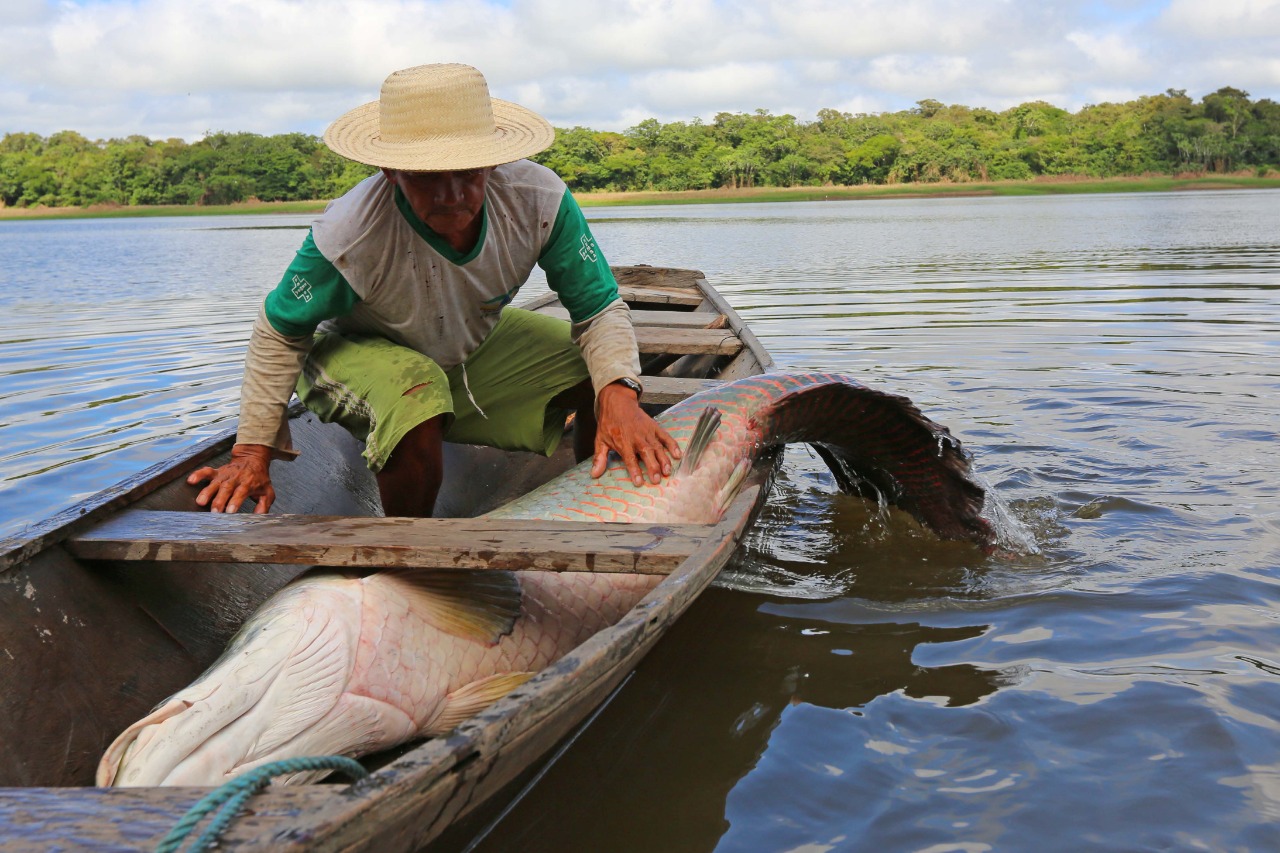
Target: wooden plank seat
{"x": 653, "y": 339}
{"x": 668, "y": 390}
{"x": 671, "y": 319}
{"x": 660, "y": 296}
{"x": 644, "y": 275}
{"x": 366, "y": 542}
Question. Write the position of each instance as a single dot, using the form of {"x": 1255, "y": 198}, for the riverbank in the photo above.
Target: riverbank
{"x": 1042, "y": 186}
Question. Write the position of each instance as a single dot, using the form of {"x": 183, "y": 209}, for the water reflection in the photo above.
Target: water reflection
{"x": 109, "y": 363}
{"x": 761, "y": 675}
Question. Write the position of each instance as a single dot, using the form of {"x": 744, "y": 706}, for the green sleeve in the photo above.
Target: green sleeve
{"x": 575, "y": 267}
{"x": 311, "y": 292}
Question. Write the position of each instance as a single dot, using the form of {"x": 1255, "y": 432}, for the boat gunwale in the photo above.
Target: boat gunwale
{"x": 38, "y": 537}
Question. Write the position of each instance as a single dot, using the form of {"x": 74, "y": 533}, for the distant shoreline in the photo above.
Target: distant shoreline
{"x": 1063, "y": 185}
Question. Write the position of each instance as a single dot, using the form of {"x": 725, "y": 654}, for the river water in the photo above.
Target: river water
{"x": 1112, "y": 363}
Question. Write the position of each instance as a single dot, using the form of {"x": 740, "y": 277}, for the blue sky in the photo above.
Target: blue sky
{"x": 180, "y": 68}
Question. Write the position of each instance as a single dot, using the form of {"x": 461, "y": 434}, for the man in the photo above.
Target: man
{"x": 391, "y": 318}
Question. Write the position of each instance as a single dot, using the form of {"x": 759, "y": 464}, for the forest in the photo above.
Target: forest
{"x": 1170, "y": 133}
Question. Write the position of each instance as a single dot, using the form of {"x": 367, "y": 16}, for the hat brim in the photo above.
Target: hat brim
{"x": 518, "y": 133}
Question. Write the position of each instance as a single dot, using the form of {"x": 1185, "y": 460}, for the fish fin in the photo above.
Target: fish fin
{"x": 471, "y": 699}
{"x": 472, "y": 604}
{"x": 313, "y": 673}
{"x": 729, "y": 490}
{"x": 355, "y": 726}
{"x": 114, "y": 759}
{"x": 703, "y": 432}
{"x": 252, "y": 688}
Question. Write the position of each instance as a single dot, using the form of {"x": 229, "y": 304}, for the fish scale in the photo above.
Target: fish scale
{"x": 883, "y": 437}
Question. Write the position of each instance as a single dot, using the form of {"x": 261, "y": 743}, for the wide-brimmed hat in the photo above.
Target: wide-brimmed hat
{"x": 436, "y": 118}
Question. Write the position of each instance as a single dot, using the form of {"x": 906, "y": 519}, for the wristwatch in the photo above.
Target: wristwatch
{"x": 632, "y": 384}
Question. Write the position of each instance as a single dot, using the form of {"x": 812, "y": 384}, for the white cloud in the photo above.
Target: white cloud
{"x": 734, "y": 84}
{"x": 872, "y": 28}
{"x": 627, "y": 35}
{"x": 1113, "y": 54}
{"x": 907, "y": 75}
{"x": 17, "y": 12}
{"x": 1224, "y": 19}
{"x": 181, "y": 67}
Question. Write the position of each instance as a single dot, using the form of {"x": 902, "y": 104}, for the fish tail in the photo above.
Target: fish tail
{"x": 880, "y": 445}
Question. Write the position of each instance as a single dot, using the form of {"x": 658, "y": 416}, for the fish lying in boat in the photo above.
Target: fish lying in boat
{"x": 349, "y": 663}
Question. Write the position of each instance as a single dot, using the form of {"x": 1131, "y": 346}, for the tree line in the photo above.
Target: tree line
{"x": 1169, "y": 133}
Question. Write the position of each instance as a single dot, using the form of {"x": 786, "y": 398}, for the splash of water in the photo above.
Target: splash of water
{"x": 1012, "y": 536}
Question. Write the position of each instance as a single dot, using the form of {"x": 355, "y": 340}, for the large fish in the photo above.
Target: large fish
{"x": 345, "y": 663}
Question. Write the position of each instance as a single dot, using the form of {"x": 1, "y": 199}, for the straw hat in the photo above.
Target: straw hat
{"x": 435, "y": 118}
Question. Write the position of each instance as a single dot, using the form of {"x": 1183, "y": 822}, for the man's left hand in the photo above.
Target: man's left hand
{"x": 626, "y": 429}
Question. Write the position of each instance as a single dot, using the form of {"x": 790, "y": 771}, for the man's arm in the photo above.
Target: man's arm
{"x": 578, "y": 272}
{"x": 311, "y": 291}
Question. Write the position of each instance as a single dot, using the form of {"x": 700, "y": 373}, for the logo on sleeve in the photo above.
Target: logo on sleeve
{"x": 588, "y": 250}
{"x": 301, "y": 288}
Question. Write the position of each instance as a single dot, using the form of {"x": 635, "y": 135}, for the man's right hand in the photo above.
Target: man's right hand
{"x": 245, "y": 476}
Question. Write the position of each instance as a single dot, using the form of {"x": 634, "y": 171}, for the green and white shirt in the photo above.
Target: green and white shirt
{"x": 371, "y": 266}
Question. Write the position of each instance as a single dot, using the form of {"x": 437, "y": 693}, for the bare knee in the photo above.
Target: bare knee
{"x": 426, "y": 436}
{"x": 410, "y": 480}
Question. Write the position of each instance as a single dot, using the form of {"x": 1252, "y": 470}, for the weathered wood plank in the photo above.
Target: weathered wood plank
{"x": 755, "y": 358}
{"x": 462, "y": 543}
{"x": 659, "y": 296}
{"x": 38, "y": 820}
{"x": 647, "y": 276}
{"x": 651, "y": 340}
{"x": 670, "y": 319}
{"x": 667, "y": 390}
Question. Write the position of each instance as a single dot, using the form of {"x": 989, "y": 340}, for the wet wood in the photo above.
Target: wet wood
{"x": 443, "y": 543}
{"x": 670, "y": 319}
{"x": 667, "y": 390}
{"x": 687, "y": 341}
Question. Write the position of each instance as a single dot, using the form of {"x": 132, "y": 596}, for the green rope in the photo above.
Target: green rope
{"x": 232, "y": 795}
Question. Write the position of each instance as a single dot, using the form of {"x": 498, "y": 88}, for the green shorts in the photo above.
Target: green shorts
{"x": 379, "y": 390}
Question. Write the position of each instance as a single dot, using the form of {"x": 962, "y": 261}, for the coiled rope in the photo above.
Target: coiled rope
{"x": 230, "y": 797}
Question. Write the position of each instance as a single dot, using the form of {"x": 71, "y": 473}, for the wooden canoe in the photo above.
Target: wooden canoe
{"x": 114, "y": 604}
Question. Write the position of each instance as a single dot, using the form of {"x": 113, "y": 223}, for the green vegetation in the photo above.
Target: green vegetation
{"x": 1037, "y": 186}
{"x": 929, "y": 149}
{"x": 1164, "y": 134}
{"x": 67, "y": 170}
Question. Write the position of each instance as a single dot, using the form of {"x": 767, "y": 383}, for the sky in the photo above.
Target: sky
{"x": 184, "y": 68}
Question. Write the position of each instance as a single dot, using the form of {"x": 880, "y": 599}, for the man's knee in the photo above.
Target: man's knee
{"x": 422, "y": 443}
{"x": 430, "y": 430}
